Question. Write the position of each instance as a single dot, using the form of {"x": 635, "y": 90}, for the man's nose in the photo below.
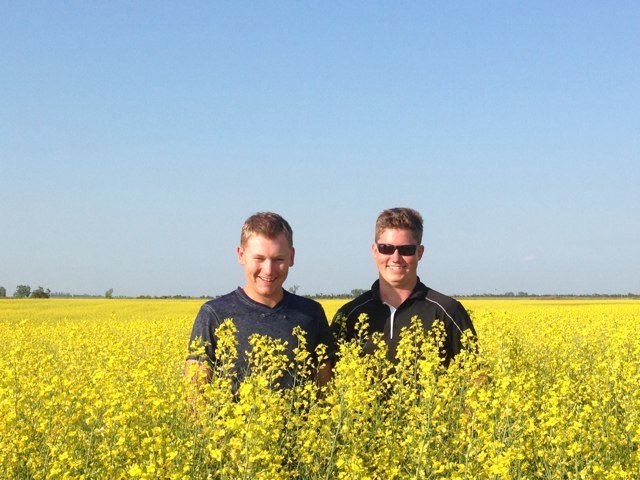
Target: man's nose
{"x": 396, "y": 255}
{"x": 267, "y": 266}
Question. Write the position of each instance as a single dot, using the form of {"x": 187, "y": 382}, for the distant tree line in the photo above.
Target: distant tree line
{"x": 356, "y": 292}
{"x": 175, "y": 297}
{"x": 549, "y": 295}
{"x": 74, "y": 295}
{"x": 24, "y": 291}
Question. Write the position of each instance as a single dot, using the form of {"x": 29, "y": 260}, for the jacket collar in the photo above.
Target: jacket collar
{"x": 419, "y": 291}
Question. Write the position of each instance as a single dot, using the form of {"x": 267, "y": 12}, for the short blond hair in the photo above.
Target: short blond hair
{"x": 400, "y": 218}
{"x": 267, "y": 224}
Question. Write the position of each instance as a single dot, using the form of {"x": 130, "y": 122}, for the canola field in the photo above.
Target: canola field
{"x": 94, "y": 389}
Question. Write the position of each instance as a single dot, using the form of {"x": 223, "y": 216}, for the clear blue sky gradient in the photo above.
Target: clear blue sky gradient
{"x": 136, "y": 137}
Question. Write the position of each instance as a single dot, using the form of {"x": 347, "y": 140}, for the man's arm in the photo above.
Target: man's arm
{"x": 197, "y": 369}
{"x": 325, "y": 373}
{"x": 196, "y": 374}
{"x": 326, "y": 338}
{"x": 202, "y": 343}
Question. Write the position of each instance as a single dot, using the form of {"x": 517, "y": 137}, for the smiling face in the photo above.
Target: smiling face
{"x": 266, "y": 263}
{"x": 397, "y": 271}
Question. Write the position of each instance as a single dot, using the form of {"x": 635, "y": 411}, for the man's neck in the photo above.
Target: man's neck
{"x": 395, "y": 296}
{"x": 267, "y": 301}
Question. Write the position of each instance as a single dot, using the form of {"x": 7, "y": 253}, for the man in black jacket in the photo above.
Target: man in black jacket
{"x": 398, "y": 294}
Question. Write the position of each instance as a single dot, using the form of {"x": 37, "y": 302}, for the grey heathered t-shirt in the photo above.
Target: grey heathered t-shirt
{"x": 251, "y": 317}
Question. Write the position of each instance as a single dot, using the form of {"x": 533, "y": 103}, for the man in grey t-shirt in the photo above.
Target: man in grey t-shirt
{"x": 262, "y": 306}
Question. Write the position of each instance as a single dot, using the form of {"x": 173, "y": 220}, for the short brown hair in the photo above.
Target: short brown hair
{"x": 400, "y": 218}
{"x": 268, "y": 224}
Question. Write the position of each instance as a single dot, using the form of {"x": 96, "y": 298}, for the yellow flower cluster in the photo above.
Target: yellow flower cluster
{"x": 94, "y": 389}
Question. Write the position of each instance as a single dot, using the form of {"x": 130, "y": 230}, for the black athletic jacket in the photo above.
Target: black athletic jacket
{"x": 424, "y": 302}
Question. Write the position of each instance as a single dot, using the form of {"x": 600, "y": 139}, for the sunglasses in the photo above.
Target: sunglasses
{"x": 404, "y": 250}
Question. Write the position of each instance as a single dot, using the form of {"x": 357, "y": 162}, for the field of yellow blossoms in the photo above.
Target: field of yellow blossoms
{"x": 94, "y": 389}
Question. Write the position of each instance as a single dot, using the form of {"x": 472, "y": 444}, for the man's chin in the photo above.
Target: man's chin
{"x": 395, "y": 279}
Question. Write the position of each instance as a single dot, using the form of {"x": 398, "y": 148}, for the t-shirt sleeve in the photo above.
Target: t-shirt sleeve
{"x": 202, "y": 342}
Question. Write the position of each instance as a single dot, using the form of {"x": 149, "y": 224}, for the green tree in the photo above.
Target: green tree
{"x": 108, "y": 293}
{"x": 22, "y": 291}
{"x": 294, "y": 289}
{"x": 3, "y": 292}
{"x": 356, "y": 292}
{"x": 41, "y": 293}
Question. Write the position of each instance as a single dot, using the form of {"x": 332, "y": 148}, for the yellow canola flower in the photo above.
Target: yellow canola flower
{"x": 94, "y": 389}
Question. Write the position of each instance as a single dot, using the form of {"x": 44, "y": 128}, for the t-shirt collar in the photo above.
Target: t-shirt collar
{"x": 245, "y": 298}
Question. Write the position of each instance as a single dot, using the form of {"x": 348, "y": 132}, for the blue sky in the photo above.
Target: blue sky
{"x": 136, "y": 137}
